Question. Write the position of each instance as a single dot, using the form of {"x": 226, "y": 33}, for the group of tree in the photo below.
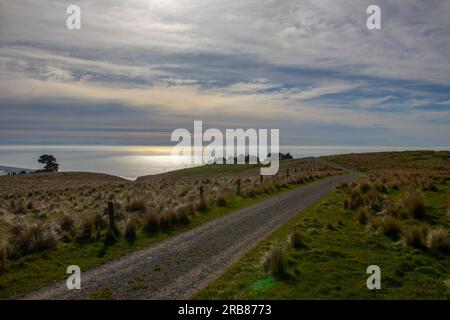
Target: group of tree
{"x": 246, "y": 159}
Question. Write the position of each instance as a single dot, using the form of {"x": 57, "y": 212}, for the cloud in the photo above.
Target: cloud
{"x": 290, "y": 64}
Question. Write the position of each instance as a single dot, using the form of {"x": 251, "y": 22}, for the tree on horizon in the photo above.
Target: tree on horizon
{"x": 50, "y": 163}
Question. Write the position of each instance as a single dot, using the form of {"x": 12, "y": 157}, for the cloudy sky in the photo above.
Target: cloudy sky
{"x": 139, "y": 69}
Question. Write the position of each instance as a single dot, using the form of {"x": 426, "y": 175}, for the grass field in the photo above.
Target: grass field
{"x": 396, "y": 216}
{"x": 43, "y": 232}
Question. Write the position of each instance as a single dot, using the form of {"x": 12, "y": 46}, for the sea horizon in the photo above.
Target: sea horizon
{"x": 131, "y": 162}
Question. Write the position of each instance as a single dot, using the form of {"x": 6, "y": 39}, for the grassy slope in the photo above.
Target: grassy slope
{"x": 32, "y": 272}
{"x": 339, "y": 251}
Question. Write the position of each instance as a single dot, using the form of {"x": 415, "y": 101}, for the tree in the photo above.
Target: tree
{"x": 50, "y": 163}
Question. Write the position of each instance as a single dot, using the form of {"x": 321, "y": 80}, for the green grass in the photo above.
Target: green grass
{"x": 334, "y": 265}
{"x": 29, "y": 273}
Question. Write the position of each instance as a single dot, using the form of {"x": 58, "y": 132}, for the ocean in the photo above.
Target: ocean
{"x": 133, "y": 161}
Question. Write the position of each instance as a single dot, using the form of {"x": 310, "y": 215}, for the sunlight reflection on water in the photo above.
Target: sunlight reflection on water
{"x": 132, "y": 162}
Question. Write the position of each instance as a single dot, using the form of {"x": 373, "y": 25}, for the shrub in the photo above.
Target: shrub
{"x": 363, "y": 217}
{"x": 391, "y": 227}
{"x": 275, "y": 261}
{"x": 414, "y": 238}
{"x": 296, "y": 240}
{"x": 151, "y": 222}
{"x": 130, "y": 229}
{"x": 415, "y": 204}
{"x": 437, "y": 240}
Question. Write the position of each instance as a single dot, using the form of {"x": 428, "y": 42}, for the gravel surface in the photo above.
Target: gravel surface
{"x": 177, "y": 267}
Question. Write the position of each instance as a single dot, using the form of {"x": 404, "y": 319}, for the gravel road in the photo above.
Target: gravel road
{"x": 177, "y": 267}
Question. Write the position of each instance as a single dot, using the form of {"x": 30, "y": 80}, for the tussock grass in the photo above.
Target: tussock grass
{"x": 438, "y": 240}
{"x": 67, "y": 223}
{"x": 3, "y": 254}
{"x": 136, "y": 205}
{"x": 130, "y": 229}
{"x": 415, "y": 203}
{"x": 363, "y": 216}
{"x": 32, "y": 238}
{"x": 297, "y": 240}
{"x": 391, "y": 227}
{"x": 151, "y": 221}
{"x": 414, "y": 237}
{"x": 275, "y": 260}
{"x": 87, "y": 228}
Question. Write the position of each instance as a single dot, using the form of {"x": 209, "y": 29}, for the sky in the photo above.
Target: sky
{"x": 138, "y": 69}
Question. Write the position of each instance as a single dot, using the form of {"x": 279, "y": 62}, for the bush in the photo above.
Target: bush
{"x": 275, "y": 261}
{"x": 414, "y": 238}
{"x": 415, "y": 204}
{"x": 391, "y": 227}
{"x": 130, "y": 229}
{"x": 437, "y": 240}
{"x": 296, "y": 240}
{"x": 151, "y": 222}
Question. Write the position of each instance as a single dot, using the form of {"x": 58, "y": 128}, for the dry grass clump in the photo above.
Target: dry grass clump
{"x": 28, "y": 239}
{"x": 86, "y": 230}
{"x": 67, "y": 223}
{"x": 275, "y": 260}
{"x": 130, "y": 229}
{"x": 415, "y": 204}
{"x": 396, "y": 210}
{"x": 296, "y": 240}
{"x": 136, "y": 205}
{"x": 151, "y": 221}
{"x": 414, "y": 237}
{"x": 18, "y": 207}
{"x": 363, "y": 216}
{"x": 182, "y": 215}
{"x": 166, "y": 220}
{"x": 202, "y": 204}
{"x": 438, "y": 240}
{"x": 3, "y": 254}
{"x": 354, "y": 200}
{"x": 391, "y": 227}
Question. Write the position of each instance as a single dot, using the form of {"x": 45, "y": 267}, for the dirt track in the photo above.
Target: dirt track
{"x": 177, "y": 267}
